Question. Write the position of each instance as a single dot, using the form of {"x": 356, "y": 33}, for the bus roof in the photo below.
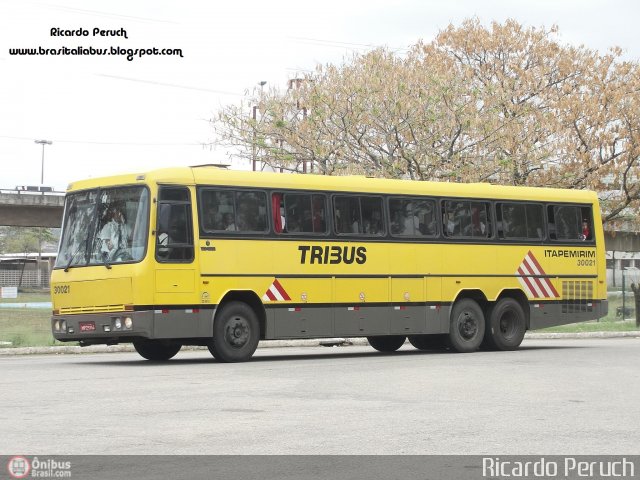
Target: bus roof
{"x": 211, "y": 175}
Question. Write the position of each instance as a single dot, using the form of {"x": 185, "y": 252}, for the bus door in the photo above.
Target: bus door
{"x": 175, "y": 276}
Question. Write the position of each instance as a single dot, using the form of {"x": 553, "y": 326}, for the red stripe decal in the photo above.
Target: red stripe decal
{"x": 542, "y": 272}
{"x": 281, "y": 290}
{"x": 541, "y": 282}
{"x": 528, "y": 282}
{"x": 535, "y": 262}
{"x": 271, "y": 296}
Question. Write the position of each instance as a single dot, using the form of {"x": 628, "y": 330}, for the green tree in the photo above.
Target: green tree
{"x": 26, "y": 239}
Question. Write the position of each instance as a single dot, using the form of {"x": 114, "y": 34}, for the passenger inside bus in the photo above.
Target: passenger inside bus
{"x": 586, "y": 233}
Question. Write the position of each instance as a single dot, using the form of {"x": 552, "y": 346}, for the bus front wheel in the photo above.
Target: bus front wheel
{"x": 236, "y": 333}
{"x": 156, "y": 350}
{"x": 387, "y": 343}
{"x": 506, "y": 325}
{"x": 466, "y": 330}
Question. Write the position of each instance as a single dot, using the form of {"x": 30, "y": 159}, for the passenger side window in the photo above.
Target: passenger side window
{"x": 570, "y": 223}
{"x": 412, "y": 217}
{"x": 519, "y": 221}
{"x": 299, "y": 213}
{"x": 358, "y": 215}
{"x": 466, "y": 219}
{"x": 233, "y": 211}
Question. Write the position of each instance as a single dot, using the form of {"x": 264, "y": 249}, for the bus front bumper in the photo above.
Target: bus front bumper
{"x": 102, "y": 328}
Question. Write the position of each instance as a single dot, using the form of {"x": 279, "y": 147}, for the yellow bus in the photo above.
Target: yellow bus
{"x": 223, "y": 259}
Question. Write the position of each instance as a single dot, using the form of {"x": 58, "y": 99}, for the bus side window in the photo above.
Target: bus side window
{"x": 372, "y": 223}
{"x": 587, "y": 224}
{"x": 347, "y": 215}
{"x": 514, "y": 221}
{"x": 535, "y": 223}
{"x": 303, "y": 213}
{"x": 551, "y": 223}
{"x": 565, "y": 222}
{"x": 251, "y": 212}
{"x": 319, "y": 213}
{"x": 465, "y": 219}
{"x": 480, "y": 225}
{"x": 412, "y": 217}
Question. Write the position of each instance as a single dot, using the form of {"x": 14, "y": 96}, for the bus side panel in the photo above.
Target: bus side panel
{"x": 406, "y": 318}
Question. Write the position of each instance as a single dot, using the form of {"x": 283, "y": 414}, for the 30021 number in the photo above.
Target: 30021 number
{"x": 586, "y": 263}
{"x": 59, "y": 289}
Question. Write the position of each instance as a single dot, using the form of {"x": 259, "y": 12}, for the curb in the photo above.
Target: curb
{"x": 328, "y": 342}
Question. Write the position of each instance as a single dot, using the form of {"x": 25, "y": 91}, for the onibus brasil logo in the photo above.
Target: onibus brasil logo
{"x": 21, "y": 467}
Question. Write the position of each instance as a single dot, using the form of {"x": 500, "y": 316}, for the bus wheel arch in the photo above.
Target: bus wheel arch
{"x": 467, "y": 321}
{"x": 507, "y": 321}
{"x": 238, "y": 325}
{"x": 250, "y": 298}
{"x": 522, "y": 299}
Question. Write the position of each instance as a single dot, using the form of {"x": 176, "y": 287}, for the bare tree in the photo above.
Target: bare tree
{"x": 503, "y": 103}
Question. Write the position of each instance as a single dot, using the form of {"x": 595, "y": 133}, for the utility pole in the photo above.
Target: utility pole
{"x": 254, "y": 115}
{"x": 296, "y": 83}
{"x": 253, "y": 144}
{"x": 43, "y": 143}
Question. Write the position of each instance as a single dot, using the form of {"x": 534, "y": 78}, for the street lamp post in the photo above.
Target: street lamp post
{"x": 43, "y": 143}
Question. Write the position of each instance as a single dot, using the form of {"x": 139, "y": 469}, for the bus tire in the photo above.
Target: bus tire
{"x": 466, "y": 328}
{"x": 428, "y": 342}
{"x": 236, "y": 333}
{"x": 506, "y": 325}
{"x": 387, "y": 343}
{"x": 156, "y": 350}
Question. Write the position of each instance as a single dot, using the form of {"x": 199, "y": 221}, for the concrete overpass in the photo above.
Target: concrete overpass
{"x": 31, "y": 209}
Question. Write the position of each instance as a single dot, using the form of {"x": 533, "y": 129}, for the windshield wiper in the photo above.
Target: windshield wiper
{"x": 73, "y": 257}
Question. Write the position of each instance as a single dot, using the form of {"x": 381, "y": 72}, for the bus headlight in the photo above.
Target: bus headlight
{"x": 117, "y": 323}
{"x": 63, "y": 325}
{"x": 56, "y": 326}
{"x": 128, "y": 323}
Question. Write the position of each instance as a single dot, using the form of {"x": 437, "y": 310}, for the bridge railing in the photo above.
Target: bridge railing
{"x": 13, "y": 191}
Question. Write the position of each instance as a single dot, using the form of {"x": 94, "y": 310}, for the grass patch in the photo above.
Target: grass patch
{"x": 28, "y": 298}
{"x": 26, "y": 327}
{"x": 593, "y": 326}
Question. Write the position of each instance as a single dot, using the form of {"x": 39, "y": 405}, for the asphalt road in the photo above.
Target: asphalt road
{"x": 579, "y": 396}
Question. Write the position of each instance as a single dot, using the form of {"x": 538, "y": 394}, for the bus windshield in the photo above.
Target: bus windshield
{"x": 104, "y": 227}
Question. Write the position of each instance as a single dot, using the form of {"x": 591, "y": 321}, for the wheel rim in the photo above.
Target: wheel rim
{"x": 467, "y": 325}
{"x": 508, "y": 324}
{"x": 237, "y": 332}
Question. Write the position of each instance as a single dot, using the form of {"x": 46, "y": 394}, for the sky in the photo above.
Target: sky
{"x": 107, "y": 115}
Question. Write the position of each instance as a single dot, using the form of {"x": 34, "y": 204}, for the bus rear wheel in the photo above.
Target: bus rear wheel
{"x": 506, "y": 325}
{"x": 466, "y": 329}
{"x": 156, "y": 350}
{"x": 236, "y": 333}
{"x": 387, "y": 343}
{"x": 428, "y": 342}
